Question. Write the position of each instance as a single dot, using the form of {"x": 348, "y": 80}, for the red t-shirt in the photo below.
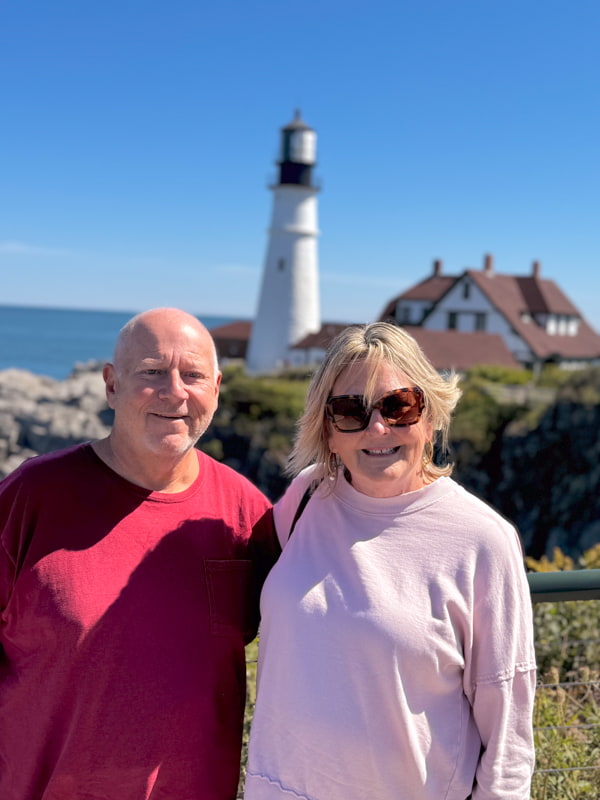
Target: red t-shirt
{"x": 124, "y": 615}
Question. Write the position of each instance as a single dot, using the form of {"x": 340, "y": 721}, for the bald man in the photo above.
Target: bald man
{"x": 130, "y": 570}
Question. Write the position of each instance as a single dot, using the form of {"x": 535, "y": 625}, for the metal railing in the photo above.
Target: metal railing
{"x": 578, "y": 584}
{"x": 567, "y": 714}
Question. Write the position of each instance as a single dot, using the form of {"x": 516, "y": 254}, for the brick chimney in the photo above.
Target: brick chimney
{"x": 437, "y": 267}
{"x": 535, "y": 269}
{"x": 488, "y": 264}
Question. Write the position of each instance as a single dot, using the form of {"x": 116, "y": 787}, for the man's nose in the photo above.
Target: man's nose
{"x": 173, "y": 385}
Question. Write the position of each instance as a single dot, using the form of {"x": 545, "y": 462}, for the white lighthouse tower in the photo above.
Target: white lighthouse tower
{"x": 288, "y": 307}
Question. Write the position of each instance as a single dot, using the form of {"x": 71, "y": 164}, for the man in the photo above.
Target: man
{"x": 129, "y": 578}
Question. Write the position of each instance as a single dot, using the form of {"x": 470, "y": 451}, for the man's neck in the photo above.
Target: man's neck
{"x": 157, "y": 472}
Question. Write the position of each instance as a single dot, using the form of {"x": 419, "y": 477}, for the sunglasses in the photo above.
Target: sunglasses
{"x": 348, "y": 412}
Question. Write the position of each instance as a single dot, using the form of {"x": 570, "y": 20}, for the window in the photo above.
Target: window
{"x": 466, "y": 290}
{"x": 404, "y": 315}
{"x": 281, "y": 264}
{"x": 452, "y": 320}
{"x": 480, "y": 321}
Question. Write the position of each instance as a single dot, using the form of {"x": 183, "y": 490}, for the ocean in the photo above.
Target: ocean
{"x": 50, "y": 341}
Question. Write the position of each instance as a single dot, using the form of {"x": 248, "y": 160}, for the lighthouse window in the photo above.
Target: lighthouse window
{"x": 281, "y": 264}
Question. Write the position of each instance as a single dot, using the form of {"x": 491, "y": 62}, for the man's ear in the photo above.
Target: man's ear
{"x": 110, "y": 383}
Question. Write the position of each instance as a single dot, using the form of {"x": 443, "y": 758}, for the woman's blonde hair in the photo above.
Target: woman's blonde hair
{"x": 373, "y": 344}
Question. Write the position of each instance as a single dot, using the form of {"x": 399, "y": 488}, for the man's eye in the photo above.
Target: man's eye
{"x": 151, "y": 371}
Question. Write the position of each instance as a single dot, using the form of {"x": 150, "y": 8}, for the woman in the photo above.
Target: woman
{"x": 396, "y": 656}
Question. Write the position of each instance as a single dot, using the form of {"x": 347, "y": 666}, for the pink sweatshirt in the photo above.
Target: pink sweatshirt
{"x": 396, "y": 652}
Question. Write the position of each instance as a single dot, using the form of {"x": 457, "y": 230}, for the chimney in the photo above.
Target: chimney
{"x": 437, "y": 267}
{"x": 535, "y": 269}
{"x": 488, "y": 264}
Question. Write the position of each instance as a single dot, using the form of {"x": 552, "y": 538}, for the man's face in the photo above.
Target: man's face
{"x": 164, "y": 386}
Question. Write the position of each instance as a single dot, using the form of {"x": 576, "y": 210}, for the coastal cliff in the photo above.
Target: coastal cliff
{"x": 539, "y": 466}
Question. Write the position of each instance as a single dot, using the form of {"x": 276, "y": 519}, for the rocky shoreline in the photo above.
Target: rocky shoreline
{"x": 39, "y": 414}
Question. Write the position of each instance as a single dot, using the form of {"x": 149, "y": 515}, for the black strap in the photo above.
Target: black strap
{"x": 310, "y": 490}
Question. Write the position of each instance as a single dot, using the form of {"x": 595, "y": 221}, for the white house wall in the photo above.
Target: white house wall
{"x": 466, "y": 309}
{"x": 415, "y": 308}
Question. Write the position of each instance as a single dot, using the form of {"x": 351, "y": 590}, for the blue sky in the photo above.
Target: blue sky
{"x": 138, "y": 140}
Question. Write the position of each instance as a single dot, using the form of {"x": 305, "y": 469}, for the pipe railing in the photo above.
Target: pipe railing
{"x": 577, "y": 584}
{"x": 564, "y": 764}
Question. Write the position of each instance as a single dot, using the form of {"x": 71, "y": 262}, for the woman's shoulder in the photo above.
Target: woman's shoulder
{"x": 487, "y": 526}
{"x": 477, "y": 506}
{"x": 297, "y": 493}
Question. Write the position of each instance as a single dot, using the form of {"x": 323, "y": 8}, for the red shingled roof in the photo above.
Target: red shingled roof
{"x": 240, "y": 329}
{"x": 321, "y": 339}
{"x": 461, "y": 351}
{"x": 445, "y": 349}
{"x": 429, "y": 290}
{"x": 513, "y": 296}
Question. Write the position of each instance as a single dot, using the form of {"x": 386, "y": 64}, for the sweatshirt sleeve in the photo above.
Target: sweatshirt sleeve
{"x": 503, "y": 714}
{"x": 500, "y": 672}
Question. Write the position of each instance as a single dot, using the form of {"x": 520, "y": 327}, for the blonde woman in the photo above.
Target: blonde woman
{"x": 396, "y": 655}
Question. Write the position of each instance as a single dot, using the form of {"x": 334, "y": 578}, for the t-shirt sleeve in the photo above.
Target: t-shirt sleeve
{"x": 10, "y": 523}
{"x": 264, "y": 550}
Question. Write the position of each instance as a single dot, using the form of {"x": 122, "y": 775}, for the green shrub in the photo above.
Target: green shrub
{"x": 567, "y": 708}
{"x": 497, "y": 374}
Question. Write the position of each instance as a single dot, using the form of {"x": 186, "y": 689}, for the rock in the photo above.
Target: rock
{"x": 39, "y": 414}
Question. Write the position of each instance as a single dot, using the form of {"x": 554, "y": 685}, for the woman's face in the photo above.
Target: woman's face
{"x": 383, "y": 460}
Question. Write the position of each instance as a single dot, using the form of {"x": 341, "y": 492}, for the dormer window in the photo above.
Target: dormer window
{"x": 404, "y": 315}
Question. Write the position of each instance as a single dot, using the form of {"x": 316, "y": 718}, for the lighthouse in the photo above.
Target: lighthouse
{"x": 288, "y": 307}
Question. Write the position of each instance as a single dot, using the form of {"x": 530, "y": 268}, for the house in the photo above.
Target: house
{"x": 534, "y": 318}
{"x": 311, "y": 348}
{"x": 447, "y": 350}
{"x": 231, "y": 340}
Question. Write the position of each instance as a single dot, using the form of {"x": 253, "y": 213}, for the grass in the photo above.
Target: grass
{"x": 567, "y": 708}
{"x": 251, "y": 658}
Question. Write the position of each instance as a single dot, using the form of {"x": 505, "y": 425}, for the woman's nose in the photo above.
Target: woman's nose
{"x": 377, "y": 422}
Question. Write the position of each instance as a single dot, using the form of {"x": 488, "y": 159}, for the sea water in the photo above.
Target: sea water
{"x": 51, "y": 341}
